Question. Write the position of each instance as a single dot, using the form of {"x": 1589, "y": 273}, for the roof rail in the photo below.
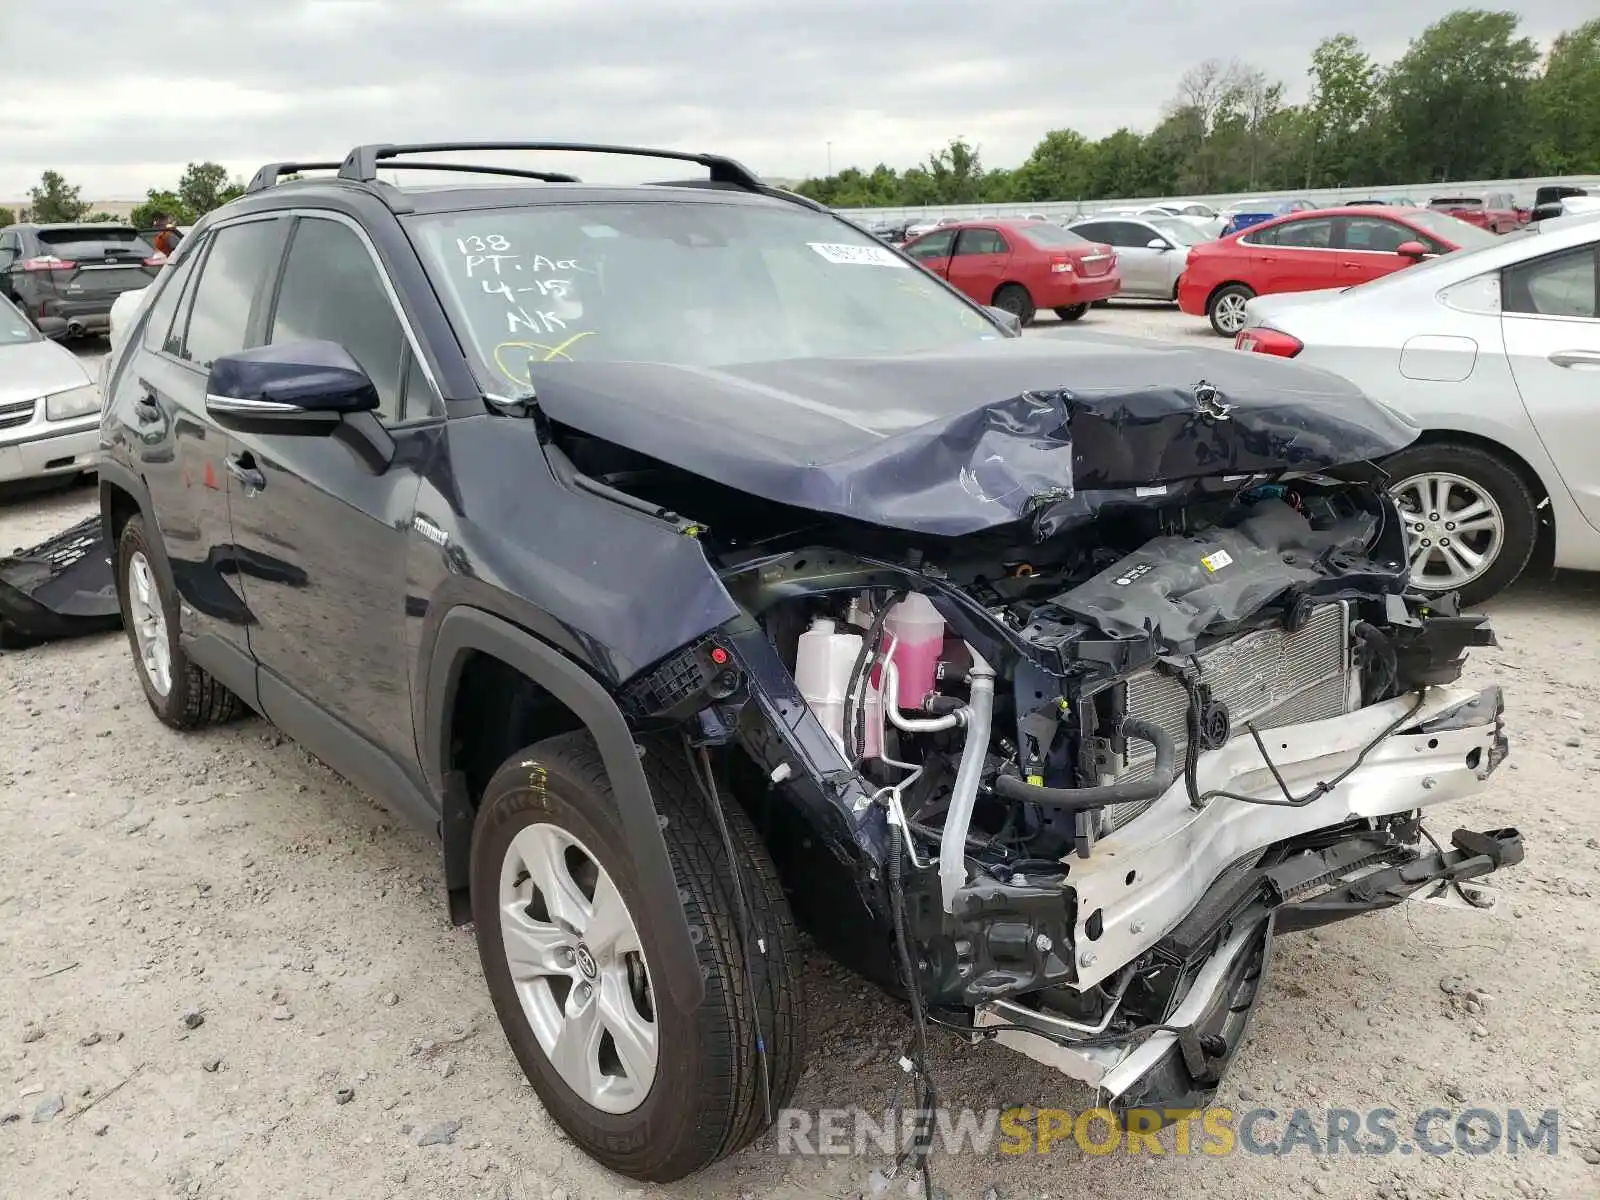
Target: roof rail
{"x": 269, "y": 175}
{"x": 518, "y": 172}
{"x": 362, "y": 162}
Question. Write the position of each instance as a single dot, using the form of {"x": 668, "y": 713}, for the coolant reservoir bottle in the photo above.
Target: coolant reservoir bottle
{"x": 920, "y": 630}
{"x": 822, "y": 669}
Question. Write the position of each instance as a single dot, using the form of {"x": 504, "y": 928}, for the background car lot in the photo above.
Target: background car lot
{"x": 230, "y": 875}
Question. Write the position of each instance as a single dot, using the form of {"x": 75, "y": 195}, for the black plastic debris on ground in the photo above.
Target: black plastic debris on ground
{"x": 61, "y": 588}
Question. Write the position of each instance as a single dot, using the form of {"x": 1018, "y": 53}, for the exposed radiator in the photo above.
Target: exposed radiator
{"x": 1270, "y": 677}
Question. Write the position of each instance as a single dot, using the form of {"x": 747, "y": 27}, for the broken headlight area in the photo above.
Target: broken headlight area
{"x": 1085, "y": 779}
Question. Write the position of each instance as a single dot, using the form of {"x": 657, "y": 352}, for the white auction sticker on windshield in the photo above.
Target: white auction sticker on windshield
{"x": 871, "y": 256}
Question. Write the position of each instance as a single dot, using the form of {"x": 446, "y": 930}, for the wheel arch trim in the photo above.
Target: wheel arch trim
{"x": 464, "y": 631}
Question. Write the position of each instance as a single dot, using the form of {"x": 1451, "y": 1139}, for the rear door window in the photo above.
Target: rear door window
{"x": 1315, "y": 233}
{"x": 171, "y": 285}
{"x": 229, "y": 289}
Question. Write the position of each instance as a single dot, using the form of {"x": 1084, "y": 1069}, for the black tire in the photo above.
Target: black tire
{"x": 194, "y": 698}
{"x": 1072, "y": 312}
{"x": 1014, "y": 298}
{"x": 1492, "y": 476}
{"x": 708, "y": 1098}
{"x": 1222, "y": 298}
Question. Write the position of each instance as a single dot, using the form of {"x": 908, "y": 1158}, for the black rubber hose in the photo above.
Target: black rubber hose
{"x": 1014, "y": 787}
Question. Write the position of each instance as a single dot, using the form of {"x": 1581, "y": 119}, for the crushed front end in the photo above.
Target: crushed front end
{"x": 1072, "y": 769}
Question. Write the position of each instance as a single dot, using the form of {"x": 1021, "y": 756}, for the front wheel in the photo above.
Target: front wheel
{"x": 1014, "y": 298}
{"x": 1470, "y": 519}
{"x": 648, "y": 1090}
{"x": 1226, "y": 309}
{"x": 1072, "y": 312}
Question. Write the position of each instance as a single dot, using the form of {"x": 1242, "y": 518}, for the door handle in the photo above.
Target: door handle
{"x": 243, "y": 468}
{"x": 1576, "y": 358}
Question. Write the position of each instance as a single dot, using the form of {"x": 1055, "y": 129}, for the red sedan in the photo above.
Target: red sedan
{"x": 1308, "y": 251}
{"x": 1020, "y": 266}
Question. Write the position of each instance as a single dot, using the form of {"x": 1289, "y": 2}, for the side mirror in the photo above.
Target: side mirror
{"x": 1012, "y": 322}
{"x": 1413, "y": 250}
{"x": 303, "y": 388}
{"x": 1158, "y": 244}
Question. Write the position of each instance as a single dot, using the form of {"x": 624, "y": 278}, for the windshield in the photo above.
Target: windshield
{"x": 1455, "y": 202}
{"x": 1462, "y": 233}
{"x": 1052, "y": 237}
{"x": 1178, "y": 231}
{"x": 691, "y": 284}
{"x": 14, "y": 327}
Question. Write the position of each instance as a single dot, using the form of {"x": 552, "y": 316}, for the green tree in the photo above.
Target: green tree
{"x": 55, "y": 200}
{"x": 1566, "y": 104}
{"x": 103, "y": 218}
{"x": 957, "y": 174}
{"x": 1340, "y": 114}
{"x": 1061, "y": 167}
{"x": 1120, "y": 166}
{"x": 204, "y": 186}
{"x": 8, "y": 216}
{"x": 1466, "y": 101}
{"x": 143, "y": 215}
{"x": 1458, "y": 99}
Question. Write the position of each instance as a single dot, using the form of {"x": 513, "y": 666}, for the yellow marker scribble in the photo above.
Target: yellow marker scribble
{"x": 551, "y": 353}
{"x": 538, "y": 783}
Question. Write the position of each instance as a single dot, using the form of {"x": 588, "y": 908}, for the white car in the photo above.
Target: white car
{"x": 1495, "y": 353}
{"x": 1151, "y": 251}
{"x": 49, "y": 407}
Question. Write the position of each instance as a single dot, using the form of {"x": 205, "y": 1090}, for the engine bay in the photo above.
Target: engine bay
{"x": 1115, "y": 651}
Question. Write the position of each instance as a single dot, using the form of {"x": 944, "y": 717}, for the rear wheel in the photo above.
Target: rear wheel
{"x": 1471, "y": 520}
{"x": 1226, "y": 309}
{"x": 648, "y": 1090}
{"x": 1072, "y": 312}
{"x": 180, "y": 693}
{"x": 1014, "y": 298}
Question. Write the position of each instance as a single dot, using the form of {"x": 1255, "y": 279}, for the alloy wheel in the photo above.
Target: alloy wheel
{"x": 1229, "y": 312}
{"x": 578, "y": 967}
{"x": 1454, "y": 529}
{"x": 149, "y": 624}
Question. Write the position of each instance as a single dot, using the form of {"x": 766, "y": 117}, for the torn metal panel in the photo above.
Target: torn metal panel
{"x": 62, "y": 587}
{"x": 981, "y": 436}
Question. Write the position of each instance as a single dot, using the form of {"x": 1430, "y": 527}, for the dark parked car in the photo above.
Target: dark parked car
{"x": 65, "y": 277}
{"x": 692, "y": 564}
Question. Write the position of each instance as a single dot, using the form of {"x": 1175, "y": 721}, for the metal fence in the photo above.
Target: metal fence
{"x": 1421, "y": 193}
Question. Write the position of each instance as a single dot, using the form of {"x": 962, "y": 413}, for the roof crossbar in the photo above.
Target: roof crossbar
{"x": 269, "y": 175}
{"x": 363, "y": 162}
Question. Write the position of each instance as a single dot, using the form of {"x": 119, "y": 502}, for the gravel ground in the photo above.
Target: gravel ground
{"x": 230, "y": 974}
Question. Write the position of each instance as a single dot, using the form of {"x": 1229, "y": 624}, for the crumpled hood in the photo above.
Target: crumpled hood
{"x": 953, "y": 442}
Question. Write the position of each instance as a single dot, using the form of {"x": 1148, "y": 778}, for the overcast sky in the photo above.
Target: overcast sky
{"x": 120, "y": 94}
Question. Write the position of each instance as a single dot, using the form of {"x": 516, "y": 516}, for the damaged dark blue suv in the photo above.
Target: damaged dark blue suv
{"x": 697, "y": 567}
